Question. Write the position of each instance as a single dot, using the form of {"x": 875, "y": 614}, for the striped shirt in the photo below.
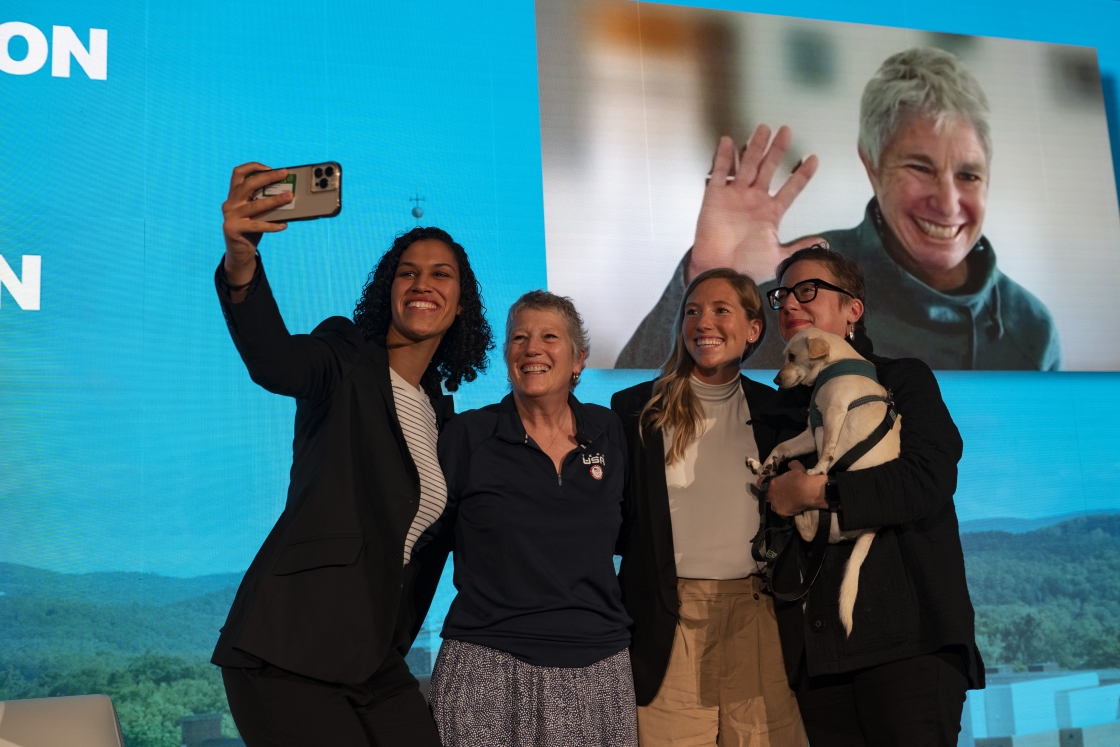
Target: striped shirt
{"x": 418, "y": 422}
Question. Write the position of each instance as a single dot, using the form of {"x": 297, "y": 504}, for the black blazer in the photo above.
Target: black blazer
{"x": 913, "y": 596}
{"x": 648, "y": 575}
{"x": 323, "y": 596}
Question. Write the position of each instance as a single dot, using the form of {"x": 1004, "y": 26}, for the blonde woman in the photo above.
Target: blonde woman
{"x": 707, "y": 660}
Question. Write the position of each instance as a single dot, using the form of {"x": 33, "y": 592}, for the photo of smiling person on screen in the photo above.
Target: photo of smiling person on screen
{"x": 925, "y": 142}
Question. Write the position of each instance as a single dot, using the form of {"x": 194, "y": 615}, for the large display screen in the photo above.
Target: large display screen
{"x": 141, "y": 468}
{"x": 992, "y": 240}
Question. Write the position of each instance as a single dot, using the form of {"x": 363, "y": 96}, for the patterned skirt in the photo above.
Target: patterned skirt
{"x": 482, "y": 697}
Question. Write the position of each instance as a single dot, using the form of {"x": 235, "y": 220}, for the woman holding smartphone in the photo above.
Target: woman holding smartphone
{"x": 313, "y": 649}
{"x": 707, "y": 659}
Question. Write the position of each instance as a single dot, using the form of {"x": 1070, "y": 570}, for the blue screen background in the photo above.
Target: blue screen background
{"x": 131, "y": 438}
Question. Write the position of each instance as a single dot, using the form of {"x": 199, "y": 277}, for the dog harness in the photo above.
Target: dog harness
{"x": 771, "y": 540}
{"x": 846, "y": 367}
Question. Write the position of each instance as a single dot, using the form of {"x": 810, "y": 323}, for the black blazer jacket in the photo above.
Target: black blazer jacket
{"x": 648, "y": 575}
{"x": 913, "y": 596}
{"x": 323, "y": 597}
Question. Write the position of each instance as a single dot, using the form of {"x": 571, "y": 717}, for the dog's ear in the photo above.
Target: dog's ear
{"x": 818, "y": 348}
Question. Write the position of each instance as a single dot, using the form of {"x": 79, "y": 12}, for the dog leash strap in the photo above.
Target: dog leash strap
{"x": 815, "y": 561}
{"x": 771, "y": 545}
{"x": 761, "y": 539}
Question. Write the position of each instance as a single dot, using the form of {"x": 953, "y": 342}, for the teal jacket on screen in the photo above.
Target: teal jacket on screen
{"x": 996, "y": 325}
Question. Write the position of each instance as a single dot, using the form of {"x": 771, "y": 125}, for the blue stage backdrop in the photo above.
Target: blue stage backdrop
{"x": 140, "y": 468}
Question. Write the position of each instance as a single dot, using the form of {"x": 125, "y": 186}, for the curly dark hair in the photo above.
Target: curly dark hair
{"x": 461, "y": 355}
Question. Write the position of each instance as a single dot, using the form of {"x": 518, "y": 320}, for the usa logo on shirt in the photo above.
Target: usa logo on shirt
{"x": 597, "y": 472}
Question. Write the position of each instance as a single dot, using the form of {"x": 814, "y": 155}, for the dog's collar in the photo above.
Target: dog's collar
{"x": 845, "y": 367}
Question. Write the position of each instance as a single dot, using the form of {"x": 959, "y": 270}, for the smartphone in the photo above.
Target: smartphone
{"x": 318, "y": 193}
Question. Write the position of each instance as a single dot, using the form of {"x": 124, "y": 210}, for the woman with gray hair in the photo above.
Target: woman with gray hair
{"x": 932, "y": 278}
{"x": 535, "y": 649}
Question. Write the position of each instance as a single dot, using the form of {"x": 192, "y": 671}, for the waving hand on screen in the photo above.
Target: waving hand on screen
{"x": 739, "y": 218}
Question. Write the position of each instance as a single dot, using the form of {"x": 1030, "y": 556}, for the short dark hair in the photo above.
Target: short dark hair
{"x": 461, "y": 355}
{"x": 848, "y": 273}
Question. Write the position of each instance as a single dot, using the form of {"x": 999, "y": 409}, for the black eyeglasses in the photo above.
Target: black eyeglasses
{"x": 804, "y": 292}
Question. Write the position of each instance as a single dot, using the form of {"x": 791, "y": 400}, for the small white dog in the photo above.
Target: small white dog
{"x": 847, "y": 406}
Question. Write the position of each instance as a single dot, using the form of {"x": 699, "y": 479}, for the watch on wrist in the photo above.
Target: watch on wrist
{"x": 832, "y": 494}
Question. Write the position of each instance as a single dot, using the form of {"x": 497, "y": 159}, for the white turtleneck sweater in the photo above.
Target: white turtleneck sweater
{"x": 714, "y": 513}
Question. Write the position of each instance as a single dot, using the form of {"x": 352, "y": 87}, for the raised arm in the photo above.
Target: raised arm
{"x": 301, "y": 366}
{"x": 240, "y": 226}
{"x": 737, "y": 227}
{"x": 649, "y": 346}
{"x": 739, "y": 217}
{"x": 923, "y": 479}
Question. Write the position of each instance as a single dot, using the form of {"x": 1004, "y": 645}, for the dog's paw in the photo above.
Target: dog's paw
{"x": 754, "y": 465}
{"x": 822, "y": 465}
{"x": 807, "y": 523}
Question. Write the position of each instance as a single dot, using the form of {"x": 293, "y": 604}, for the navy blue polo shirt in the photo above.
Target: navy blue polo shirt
{"x": 534, "y": 563}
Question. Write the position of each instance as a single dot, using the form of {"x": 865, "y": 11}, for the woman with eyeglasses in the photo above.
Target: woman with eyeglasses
{"x": 704, "y": 644}
{"x": 900, "y": 677}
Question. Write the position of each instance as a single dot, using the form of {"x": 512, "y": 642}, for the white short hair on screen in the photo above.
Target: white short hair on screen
{"x": 925, "y": 81}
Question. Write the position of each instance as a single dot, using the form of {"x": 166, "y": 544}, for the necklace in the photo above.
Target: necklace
{"x": 562, "y": 429}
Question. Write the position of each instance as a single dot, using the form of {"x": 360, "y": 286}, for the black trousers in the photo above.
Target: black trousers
{"x": 912, "y": 703}
{"x": 273, "y": 707}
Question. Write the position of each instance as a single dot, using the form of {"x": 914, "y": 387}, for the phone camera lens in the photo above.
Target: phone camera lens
{"x": 318, "y": 173}
{"x": 323, "y": 183}
{"x": 329, "y": 171}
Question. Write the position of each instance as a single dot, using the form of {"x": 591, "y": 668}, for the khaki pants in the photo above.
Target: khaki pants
{"x": 726, "y": 681}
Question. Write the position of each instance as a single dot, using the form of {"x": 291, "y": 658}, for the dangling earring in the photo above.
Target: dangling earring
{"x": 852, "y": 332}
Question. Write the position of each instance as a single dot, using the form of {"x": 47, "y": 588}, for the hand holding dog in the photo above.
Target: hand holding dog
{"x": 796, "y": 491}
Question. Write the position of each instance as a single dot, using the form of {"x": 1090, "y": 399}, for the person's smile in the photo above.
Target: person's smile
{"x": 708, "y": 342}
{"x": 535, "y": 369}
{"x": 425, "y": 291}
{"x": 938, "y": 231}
{"x": 932, "y": 185}
{"x": 796, "y": 324}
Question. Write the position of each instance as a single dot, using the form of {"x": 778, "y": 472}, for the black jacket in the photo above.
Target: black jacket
{"x": 649, "y": 573}
{"x": 321, "y": 597}
{"x": 913, "y": 598}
